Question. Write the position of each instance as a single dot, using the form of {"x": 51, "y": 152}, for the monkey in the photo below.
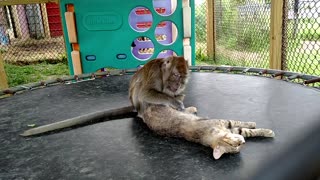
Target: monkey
{"x": 159, "y": 81}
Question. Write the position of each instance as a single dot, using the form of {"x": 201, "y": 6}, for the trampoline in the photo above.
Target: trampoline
{"x": 127, "y": 149}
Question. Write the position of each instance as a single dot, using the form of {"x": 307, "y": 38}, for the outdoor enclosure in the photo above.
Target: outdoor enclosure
{"x": 248, "y": 33}
{"x": 241, "y": 33}
{"x": 256, "y": 61}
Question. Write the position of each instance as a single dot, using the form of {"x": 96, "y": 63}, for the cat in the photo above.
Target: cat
{"x": 223, "y": 136}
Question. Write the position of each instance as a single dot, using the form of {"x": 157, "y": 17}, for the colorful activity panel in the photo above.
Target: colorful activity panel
{"x": 126, "y": 34}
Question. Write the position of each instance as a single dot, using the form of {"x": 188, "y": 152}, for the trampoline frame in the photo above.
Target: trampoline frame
{"x": 298, "y": 78}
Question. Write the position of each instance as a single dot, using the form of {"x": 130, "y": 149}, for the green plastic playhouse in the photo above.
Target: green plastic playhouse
{"x": 125, "y": 33}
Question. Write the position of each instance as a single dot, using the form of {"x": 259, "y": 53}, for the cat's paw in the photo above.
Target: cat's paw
{"x": 191, "y": 110}
{"x": 268, "y": 133}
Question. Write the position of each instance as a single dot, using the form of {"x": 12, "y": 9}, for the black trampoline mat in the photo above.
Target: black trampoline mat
{"x": 127, "y": 149}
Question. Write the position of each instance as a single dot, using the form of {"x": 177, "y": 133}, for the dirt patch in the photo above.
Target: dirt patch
{"x": 31, "y": 51}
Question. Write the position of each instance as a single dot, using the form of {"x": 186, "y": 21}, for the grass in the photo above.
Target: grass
{"x": 306, "y": 62}
{"x": 18, "y": 75}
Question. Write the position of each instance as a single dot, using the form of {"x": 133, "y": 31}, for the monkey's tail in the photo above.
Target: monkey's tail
{"x": 79, "y": 120}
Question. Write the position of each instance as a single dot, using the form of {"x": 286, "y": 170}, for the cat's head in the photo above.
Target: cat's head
{"x": 230, "y": 143}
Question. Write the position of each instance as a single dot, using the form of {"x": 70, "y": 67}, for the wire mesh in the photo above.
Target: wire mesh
{"x": 31, "y": 34}
{"x": 242, "y": 32}
{"x": 201, "y": 27}
{"x": 301, "y": 36}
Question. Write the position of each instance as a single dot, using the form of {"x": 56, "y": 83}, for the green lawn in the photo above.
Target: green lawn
{"x": 18, "y": 75}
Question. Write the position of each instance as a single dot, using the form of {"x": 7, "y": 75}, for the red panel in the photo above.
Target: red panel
{"x": 54, "y": 19}
{"x": 52, "y": 5}
{"x": 53, "y": 11}
{"x": 56, "y": 33}
{"x": 55, "y": 26}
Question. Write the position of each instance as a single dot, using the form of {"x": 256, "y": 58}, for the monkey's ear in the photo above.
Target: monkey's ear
{"x": 182, "y": 58}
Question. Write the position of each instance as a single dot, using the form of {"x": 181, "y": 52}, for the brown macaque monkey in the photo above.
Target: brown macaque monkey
{"x": 160, "y": 81}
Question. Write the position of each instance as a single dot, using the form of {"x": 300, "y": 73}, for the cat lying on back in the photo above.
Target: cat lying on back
{"x": 156, "y": 92}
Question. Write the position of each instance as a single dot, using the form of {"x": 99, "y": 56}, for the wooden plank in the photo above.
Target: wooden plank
{"x": 276, "y": 34}
{"x": 16, "y": 2}
{"x": 71, "y": 27}
{"x": 76, "y": 62}
{"x": 3, "y": 76}
{"x": 211, "y": 34}
{"x": 187, "y": 53}
{"x": 186, "y": 22}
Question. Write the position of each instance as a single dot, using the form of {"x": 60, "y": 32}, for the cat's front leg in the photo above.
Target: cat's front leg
{"x": 260, "y": 132}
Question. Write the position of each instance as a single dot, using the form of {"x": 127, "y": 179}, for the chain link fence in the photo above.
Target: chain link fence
{"x": 31, "y": 34}
{"x": 301, "y": 36}
{"x": 242, "y": 32}
{"x": 201, "y": 11}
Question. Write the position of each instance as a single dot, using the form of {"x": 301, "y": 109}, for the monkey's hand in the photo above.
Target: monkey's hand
{"x": 177, "y": 104}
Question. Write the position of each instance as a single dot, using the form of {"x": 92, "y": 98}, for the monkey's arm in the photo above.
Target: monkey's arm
{"x": 156, "y": 97}
{"x": 180, "y": 97}
{"x": 78, "y": 120}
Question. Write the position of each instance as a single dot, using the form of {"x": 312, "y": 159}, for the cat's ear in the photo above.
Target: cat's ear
{"x": 218, "y": 151}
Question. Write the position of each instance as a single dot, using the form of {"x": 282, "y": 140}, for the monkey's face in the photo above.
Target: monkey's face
{"x": 177, "y": 75}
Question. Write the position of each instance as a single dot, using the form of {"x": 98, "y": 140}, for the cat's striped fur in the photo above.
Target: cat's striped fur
{"x": 224, "y": 136}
